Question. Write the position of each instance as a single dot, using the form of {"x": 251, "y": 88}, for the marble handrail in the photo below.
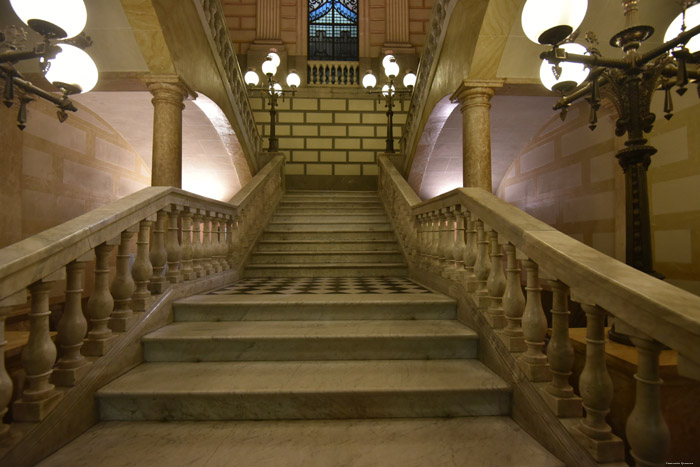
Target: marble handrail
{"x": 463, "y": 236}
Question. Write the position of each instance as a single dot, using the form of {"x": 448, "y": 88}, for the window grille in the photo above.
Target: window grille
{"x": 333, "y": 30}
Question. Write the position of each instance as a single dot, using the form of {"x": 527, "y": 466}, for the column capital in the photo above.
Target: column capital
{"x": 470, "y": 89}
{"x": 164, "y": 86}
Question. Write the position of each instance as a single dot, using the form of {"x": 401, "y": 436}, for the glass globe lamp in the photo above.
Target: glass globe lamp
{"x": 52, "y": 18}
{"x": 391, "y": 69}
{"x": 409, "y": 80}
{"x": 552, "y": 21}
{"x": 73, "y": 70}
{"x": 293, "y": 79}
{"x": 386, "y": 90}
{"x": 692, "y": 19}
{"x": 369, "y": 80}
{"x": 572, "y": 74}
{"x": 251, "y": 78}
{"x": 269, "y": 68}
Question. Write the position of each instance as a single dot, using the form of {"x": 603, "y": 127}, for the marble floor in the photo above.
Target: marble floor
{"x": 322, "y": 286}
{"x": 478, "y": 442}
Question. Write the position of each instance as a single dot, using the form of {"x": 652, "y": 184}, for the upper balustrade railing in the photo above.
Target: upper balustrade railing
{"x": 439, "y": 20}
{"x": 212, "y": 16}
{"x": 181, "y": 237}
{"x": 332, "y": 73}
{"x": 470, "y": 236}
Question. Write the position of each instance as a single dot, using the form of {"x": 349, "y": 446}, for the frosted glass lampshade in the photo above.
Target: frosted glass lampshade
{"x": 72, "y": 69}
{"x": 251, "y": 78}
{"x": 275, "y": 58}
{"x": 277, "y": 88}
{"x": 572, "y": 74}
{"x": 391, "y": 69}
{"x": 692, "y": 19}
{"x": 387, "y": 59}
{"x": 293, "y": 79}
{"x": 409, "y": 80}
{"x": 56, "y": 18}
{"x": 552, "y": 21}
{"x": 386, "y": 90}
{"x": 369, "y": 80}
{"x": 269, "y": 68}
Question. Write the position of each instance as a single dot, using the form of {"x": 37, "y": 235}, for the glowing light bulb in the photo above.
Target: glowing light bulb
{"x": 692, "y": 19}
{"x": 57, "y": 18}
{"x": 572, "y": 74}
{"x": 72, "y": 69}
{"x": 369, "y": 80}
{"x": 552, "y": 21}
{"x": 251, "y": 78}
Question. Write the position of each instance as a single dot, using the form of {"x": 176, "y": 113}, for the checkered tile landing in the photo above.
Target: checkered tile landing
{"x": 321, "y": 286}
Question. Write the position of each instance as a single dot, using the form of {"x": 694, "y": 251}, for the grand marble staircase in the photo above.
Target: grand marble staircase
{"x": 330, "y": 358}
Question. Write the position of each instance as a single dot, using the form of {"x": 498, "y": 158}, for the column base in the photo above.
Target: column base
{"x": 482, "y": 302}
{"x": 70, "y": 376}
{"x": 123, "y": 324}
{"x": 513, "y": 343}
{"x": 174, "y": 278}
{"x": 536, "y": 372}
{"x": 563, "y": 407}
{"x": 158, "y": 286}
{"x": 35, "y": 411}
{"x": 98, "y": 348}
{"x": 496, "y": 321}
{"x": 142, "y": 304}
{"x": 607, "y": 450}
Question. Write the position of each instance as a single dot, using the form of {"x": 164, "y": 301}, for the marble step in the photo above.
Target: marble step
{"x": 329, "y": 210}
{"x": 331, "y": 198}
{"x": 310, "y": 340}
{"x": 327, "y": 270}
{"x": 335, "y": 204}
{"x": 304, "y": 390}
{"x": 330, "y": 227}
{"x": 421, "y": 442}
{"x": 327, "y": 193}
{"x": 326, "y": 218}
{"x": 326, "y": 244}
{"x": 326, "y": 256}
{"x": 278, "y": 307}
{"x": 326, "y": 234}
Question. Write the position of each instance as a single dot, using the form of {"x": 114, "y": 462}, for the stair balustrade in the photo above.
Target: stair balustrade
{"x": 40, "y": 264}
{"x": 652, "y": 312}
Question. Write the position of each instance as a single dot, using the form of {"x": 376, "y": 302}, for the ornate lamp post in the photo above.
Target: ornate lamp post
{"x": 388, "y": 91}
{"x": 66, "y": 66}
{"x": 272, "y": 90}
{"x": 629, "y": 82}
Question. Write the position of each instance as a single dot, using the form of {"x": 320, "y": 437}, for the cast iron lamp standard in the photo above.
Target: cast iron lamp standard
{"x": 63, "y": 61}
{"x": 272, "y": 90}
{"x": 388, "y": 91}
{"x": 629, "y": 82}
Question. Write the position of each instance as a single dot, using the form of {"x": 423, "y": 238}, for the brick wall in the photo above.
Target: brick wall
{"x": 331, "y": 135}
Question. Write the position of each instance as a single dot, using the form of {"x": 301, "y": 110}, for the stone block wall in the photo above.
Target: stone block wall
{"x": 338, "y": 135}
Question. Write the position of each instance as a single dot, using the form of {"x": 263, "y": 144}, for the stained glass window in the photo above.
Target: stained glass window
{"x": 333, "y": 30}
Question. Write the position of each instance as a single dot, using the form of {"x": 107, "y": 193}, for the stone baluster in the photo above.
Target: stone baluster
{"x": 449, "y": 242}
{"x": 559, "y": 394}
{"x": 482, "y": 265}
{"x": 230, "y": 245}
{"x": 646, "y": 429}
{"x": 215, "y": 247}
{"x": 172, "y": 246}
{"x": 123, "y": 286}
{"x": 159, "y": 254}
{"x": 221, "y": 223}
{"x": 415, "y": 227}
{"x": 496, "y": 284}
{"x": 596, "y": 390}
{"x": 442, "y": 240}
{"x": 422, "y": 241}
{"x": 99, "y": 306}
{"x": 142, "y": 270}
{"x": 207, "y": 266}
{"x": 435, "y": 239}
{"x": 533, "y": 361}
{"x": 187, "y": 249}
{"x": 197, "y": 250}
{"x": 72, "y": 327}
{"x": 459, "y": 245}
{"x": 39, "y": 397}
{"x": 470, "y": 251}
{"x": 5, "y": 380}
{"x": 513, "y": 303}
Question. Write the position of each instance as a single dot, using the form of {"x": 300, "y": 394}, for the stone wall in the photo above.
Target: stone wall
{"x": 569, "y": 178}
{"x": 333, "y": 136}
{"x": 53, "y": 172}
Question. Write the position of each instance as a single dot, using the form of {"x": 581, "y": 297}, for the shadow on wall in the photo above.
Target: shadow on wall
{"x": 568, "y": 177}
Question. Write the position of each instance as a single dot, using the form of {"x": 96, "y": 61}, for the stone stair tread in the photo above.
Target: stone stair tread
{"x": 305, "y": 377}
{"x": 425, "y": 442}
{"x": 328, "y": 252}
{"x": 330, "y": 229}
{"x": 321, "y": 299}
{"x": 310, "y": 329}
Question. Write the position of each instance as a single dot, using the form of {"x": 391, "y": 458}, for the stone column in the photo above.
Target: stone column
{"x": 397, "y": 24}
{"x": 475, "y": 103}
{"x": 267, "y": 26}
{"x": 168, "y": 92}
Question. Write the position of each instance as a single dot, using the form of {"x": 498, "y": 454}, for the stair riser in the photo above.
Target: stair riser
{"x": 329, "y": 228}
{"x": 387, "y": 236}
{"x": 285, "y": 406}
{"x": 337, "y": 348}
{"x": 326, "y": 258}
{"x": 310, "y": 312}
{"x": 330, "y": 204}
{"x": 330, "y": 199}
{"x": 305, "y": 211}
{"x": 372, "y": 270}
{"x": 330, "y": 218}
{"x": 336, "y": 246}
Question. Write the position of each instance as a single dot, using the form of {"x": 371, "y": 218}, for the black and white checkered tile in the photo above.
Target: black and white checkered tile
{"x": 321, "y": 286}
